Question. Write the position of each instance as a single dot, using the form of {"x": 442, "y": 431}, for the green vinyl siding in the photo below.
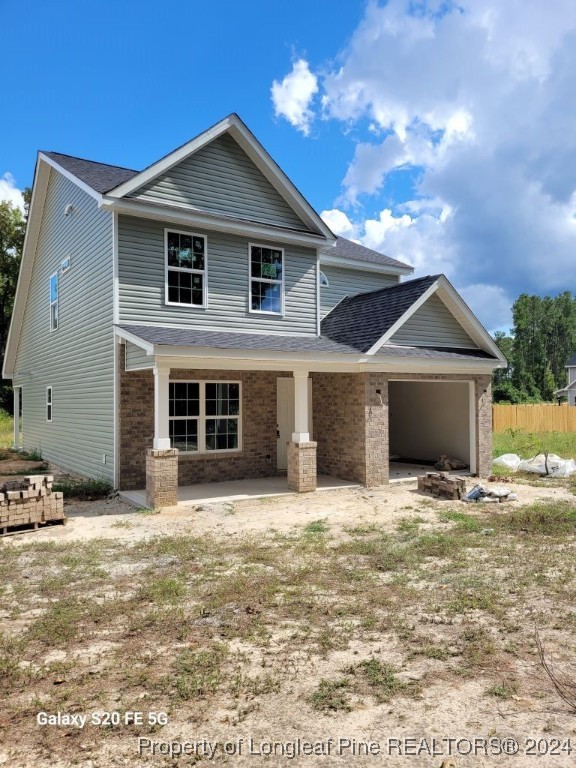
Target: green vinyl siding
{"x": 137, "y": 358}
{"x": 221, "y": 178}
{"x": 141, "y": 283}
{"x": 433, "y": 325}
{"x": 76, "y": 360}
{"x": 349, "y": 282}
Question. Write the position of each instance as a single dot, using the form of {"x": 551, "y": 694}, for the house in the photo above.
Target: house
{"x": 569, "y": 391}
{"x": 198, "y": 321}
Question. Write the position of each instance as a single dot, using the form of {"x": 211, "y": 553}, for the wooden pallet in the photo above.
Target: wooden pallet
{"x": 12, "y": 530}
{"x": 442, "y": 485}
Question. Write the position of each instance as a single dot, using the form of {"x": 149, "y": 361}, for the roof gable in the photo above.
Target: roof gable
{"x": 370, "y": 322}
{"x": 221, "y": 178}
{"x": 235, "y": 128}
{"x": 432, "y": 325}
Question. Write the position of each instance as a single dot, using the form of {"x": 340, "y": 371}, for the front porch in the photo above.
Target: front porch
{"x": 237, "y": 490}
{"x": 190, "y": 434}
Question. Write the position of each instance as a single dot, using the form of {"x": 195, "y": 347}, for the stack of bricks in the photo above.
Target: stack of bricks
{"x": 30, "y": 501}
{"x": 439, "y": 484}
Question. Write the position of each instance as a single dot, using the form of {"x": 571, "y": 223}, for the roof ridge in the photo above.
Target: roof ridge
{"x": 395, "y": 287}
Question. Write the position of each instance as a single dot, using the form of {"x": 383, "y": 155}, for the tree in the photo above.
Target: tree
{"x": 506, "y": 345}
{"x": 12, "y": 231}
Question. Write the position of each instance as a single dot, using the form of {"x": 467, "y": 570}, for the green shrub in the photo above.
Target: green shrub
{"x": 86, "y": 490}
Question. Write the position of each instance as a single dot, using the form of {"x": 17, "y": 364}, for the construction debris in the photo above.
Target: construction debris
{"x": 441, "y": 485}
{"x": 492, "y": 495}
{"x": 446, "y": 463}
{"x": 30, "y": 502}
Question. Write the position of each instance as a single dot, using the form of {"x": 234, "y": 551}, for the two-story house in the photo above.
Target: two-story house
{"x": 569, "y": 391}
{"x": 198, "y": 321}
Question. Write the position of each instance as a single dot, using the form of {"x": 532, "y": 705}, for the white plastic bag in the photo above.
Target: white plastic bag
{"x": 557, "y": 467}
{"x": 508, "y": 460}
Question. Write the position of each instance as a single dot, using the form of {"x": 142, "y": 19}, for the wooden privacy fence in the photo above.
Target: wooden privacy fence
{"x": 534, "y": 418}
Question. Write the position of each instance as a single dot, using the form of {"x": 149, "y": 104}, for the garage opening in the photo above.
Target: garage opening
{"x": 428, "y": 419}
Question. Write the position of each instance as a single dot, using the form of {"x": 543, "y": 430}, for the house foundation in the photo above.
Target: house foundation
{"x": 302, "y": 466}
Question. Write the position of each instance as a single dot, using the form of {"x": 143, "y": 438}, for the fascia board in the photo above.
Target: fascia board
{"x": 400, "y": 322}
{"x": 210, "y": 222}
{"x": 147, "y": 346}
{"x": 199, "y": 358}
{"x": 169, "y": 161}
{"x": 70, "y": 176}
{"x": 39, "y": 189}
{"x": 467, "y": 319}
{"x": 366, "y": 266}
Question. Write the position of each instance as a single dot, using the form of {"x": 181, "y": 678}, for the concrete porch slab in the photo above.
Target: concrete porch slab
{"x": 400, "y": 472}
{"x": 236, "y": 490}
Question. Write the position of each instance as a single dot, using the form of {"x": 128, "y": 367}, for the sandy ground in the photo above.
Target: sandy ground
{"x": 116, "y": 519}
{"x": 445, "y": 711}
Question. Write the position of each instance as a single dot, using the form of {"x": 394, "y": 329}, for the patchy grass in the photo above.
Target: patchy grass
{"x": 331, "y": 696}
{"x": 321, "y": 618}
{"x": 85, "y": 490}
{"x": 528, "y": 444}
{"x": 6, "y": 430}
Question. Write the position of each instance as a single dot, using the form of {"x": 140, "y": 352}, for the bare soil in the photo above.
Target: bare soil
{"x": 384, "y": 618}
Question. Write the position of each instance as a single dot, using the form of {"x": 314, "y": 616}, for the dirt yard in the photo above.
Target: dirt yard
{"x": 343, "y": 628}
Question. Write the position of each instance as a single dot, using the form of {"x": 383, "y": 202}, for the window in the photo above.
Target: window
{"x": 266, "y": 279}
{"x": 54, "y": 301}
{"x": 204, "y": 416}
{"x": 185, "y": 269}
{"x": 48, "y": 403}
{"x": 65, "y": 265}
{"x": 323, "y": 280}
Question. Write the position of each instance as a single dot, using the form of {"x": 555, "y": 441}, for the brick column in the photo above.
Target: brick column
{"x": 302, "y": 467}
{"x": 484, "y": 426}
{"x": 161, "y": 478}
{"x": 376, "y": 430}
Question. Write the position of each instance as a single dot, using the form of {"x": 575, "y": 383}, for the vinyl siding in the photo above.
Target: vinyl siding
{"x": 137, "y": 358}
{"x": 433, "y": 325}
{"x": 221, "y": 178}
{"x": 349, "y": 282}
{"x": 76, "y": 360}
{"x": 141, "y": 283}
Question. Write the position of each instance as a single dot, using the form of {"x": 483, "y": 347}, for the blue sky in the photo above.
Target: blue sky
{"x": 439, "y": 133}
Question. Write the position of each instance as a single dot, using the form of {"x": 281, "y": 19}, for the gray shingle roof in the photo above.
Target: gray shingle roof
{"x": 192, "y": 337}
{"x": 348, "y": 249}
{"x": 571, "y": 360}
{"x": 359, "y": 321}
{"x": 99, "y": 176}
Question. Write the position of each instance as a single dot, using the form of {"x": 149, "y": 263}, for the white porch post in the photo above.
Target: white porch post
{"x": 16, "y": 391}
{"x": 301, "y": 434}
{"x": 161, "y": 409}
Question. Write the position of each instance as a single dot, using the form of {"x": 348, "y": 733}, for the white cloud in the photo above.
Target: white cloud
{"x": 339, "y": 223}
{"x": 475, "y": 99}
{"x": 10, "y": 192}
{"x": 292, "y": 96}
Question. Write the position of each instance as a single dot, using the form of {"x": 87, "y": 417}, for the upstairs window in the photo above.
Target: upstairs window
{"x": 54, "y": 301}
{"x": 185, "y": 269}
{"x": 266, "y": 279}
{"x": 323, "y": 280}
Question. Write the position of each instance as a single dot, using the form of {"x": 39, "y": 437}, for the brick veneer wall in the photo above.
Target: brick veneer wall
{"x": 257, "y": 457}
{"x": 351, "y": 423}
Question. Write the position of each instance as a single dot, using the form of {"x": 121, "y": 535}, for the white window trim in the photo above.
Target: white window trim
{"x": 203, "y": 272}
{"x": 49, "y": 404}
{"x": 202, "y": 416}
{"x": 57, "y": 302}
{"x": 321, "y": 275}
{"x": 265, "y": 280}
{"x": 65, "y": 265}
